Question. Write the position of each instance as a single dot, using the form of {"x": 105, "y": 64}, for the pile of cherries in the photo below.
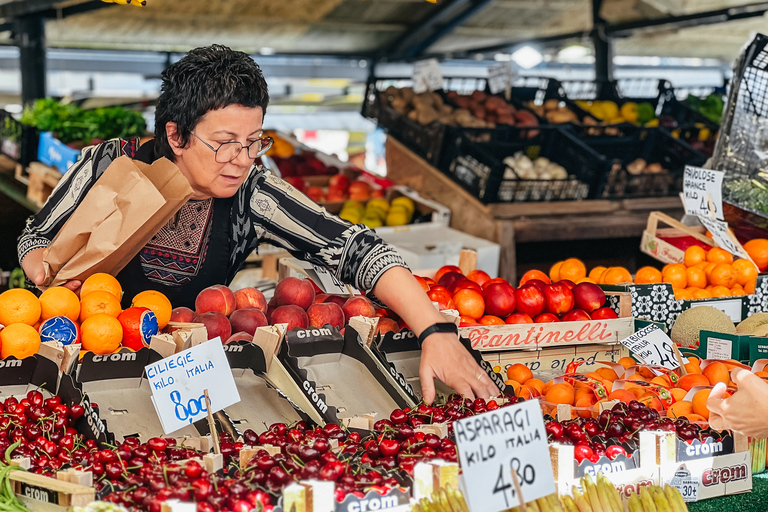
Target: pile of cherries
{"x": 617, "y": 431}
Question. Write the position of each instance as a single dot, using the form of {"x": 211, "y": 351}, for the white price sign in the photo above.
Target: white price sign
{"x": 178, "y": 384}
{"x": 499, "y": 78}
{"x": 652, "y": 346}
{"x": 698, "y": 186}
{"x": 427, "y": 76}
{"x": 722, "y": 237}
{"x": 719, "y": 348}
{"x": 494, "y": 444}
{"x": 329, "y": 282}
{"x": 687, "y": 484}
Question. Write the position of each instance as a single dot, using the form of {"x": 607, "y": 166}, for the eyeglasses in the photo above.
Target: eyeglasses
{"x": 228, "y": 151}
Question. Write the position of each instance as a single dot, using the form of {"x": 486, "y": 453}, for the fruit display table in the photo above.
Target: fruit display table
{"x": 512, "y": 223}
{"x": 754, "y": 501}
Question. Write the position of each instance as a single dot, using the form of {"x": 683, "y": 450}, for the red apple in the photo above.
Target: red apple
{"x": 567, "y": 282}
{"x": 575, "y": 315}
{"x": 320, "y": 297}
{"x": 340, "y": 182}
{"x": 442, "y": 296}
{"x": 466, "y": 283}
{"x": 519, "y": 318}
{"x": 292, "y": 315}
{"x": 559, "y": 298}
{"x": 239, "y": 336}
{"x": 387, "y": 325}
{"x": 325, "y": 313}
{"x": 250, "y": 298}
{"x": 296, "y": 182}
{"x": 182, "y": 315}
{"x": 358, "y": 306}
{"x": 538, "y": 283}
{"x": 499, "y": 299}
{"x": 216, "y": 324}
{"x": 545, "y": 318}
{"x": 530, "y": 300}
{"x": 449, "y": 279}
{"x": 248, "y": 320}
{"x": 293, "y": 291}
{"x": 479, "y": 277}
{"x": 337, "y": 299}
{"x": 216, "y": 298}
{"x": 604, "y": 314}
{"x": 494, "y": 281}
{"x": 588, "y": 297}
{"x": 444, "y": 270}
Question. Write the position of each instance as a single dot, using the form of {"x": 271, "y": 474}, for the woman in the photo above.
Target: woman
{"x": 208, "y": 121}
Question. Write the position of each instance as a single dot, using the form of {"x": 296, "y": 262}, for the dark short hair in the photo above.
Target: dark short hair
{"x": 207, "y": 78}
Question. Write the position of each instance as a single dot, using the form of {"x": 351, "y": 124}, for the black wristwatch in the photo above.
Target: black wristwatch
{"x": 439, "y": 327}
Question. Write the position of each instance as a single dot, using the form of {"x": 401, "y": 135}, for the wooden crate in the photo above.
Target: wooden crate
{"x": 42, "y": 180}
{"x": 44, "y": 494}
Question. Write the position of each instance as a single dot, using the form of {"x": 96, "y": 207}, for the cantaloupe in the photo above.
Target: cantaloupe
{"x": 685, "y": 332}
{"x": 751, "y": 324}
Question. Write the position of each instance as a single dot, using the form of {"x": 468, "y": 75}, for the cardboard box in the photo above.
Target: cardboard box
{"x": 659, "y": 243}
{"x": 51, "y": 151}
{"x": 719, "y": 345}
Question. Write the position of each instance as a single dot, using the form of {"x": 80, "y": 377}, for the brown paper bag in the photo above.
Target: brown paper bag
{"x": 124, "y": 209}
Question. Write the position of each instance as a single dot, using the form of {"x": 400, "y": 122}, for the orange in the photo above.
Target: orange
{"x": 586, "y": 280}
{"x": 679, "y": 409}
{"x": 59, "y": 301}
{"x": 596, "y": 272}
{"x": 683, "y": 295}
{"x": 19, "y": 340}
{"x": 737, "y": 291}
{"x": 161, "y": 306}
{"x": 701, "y": 294}
{"x": 700, "y": 402}
{"x": 692, "y": 367}
{"x": 616, "y": 275}
{"x": 626, "y": 362}
{"x": 535, "y": 274}
{"x": 745, "y": 271}
{"x": 661, "y": 380}
{"x": 718, "y": 255}
{"x": 757, "y": 249}
{"x": 104, "y": 282}
{"x": 515, "y": 385}
{"x": 18, "y": 305}
{"x": 479, "y": 277}
{"x": 678, "y": 394}
{"x": 562, "y": 393}
{"x": 586, "y": 402}
{"x": 491, "y": 320}
{"x": 723, "y": 275}
{"x": 646, "y": 372}
{"x": 694, "y": 255}
{"x": 572, "y": 269}
{"x": 635, "y": 376}
{"x": 468, "y": 302}
{"x": 720, "y": 291}
{"x": 652, "y": 402}
{"x": 99, "y": 302}
{"x": 696, "y": 418}
{"x": 675, "y": 274}
{"x": 691, "y": 380}
{"x": 137, "y": 326}
{"x": 607, "y": 373}
{"x": 519, "y": 372}
{"x": 717, "y": 372}
{"x": 535, "y": 383}
{"x": 547, "y": 387}
{"x": 528, "y": 392}
{"x": 750, "y": 287}
{"x": 554, "y": 272}
{"x": 696, "y": 277}
{"x": 581, "y": 392}
{"x": 621, "y": 395}
{"x": 708, "y": 268}
{"x": 101, "y": 333}
{"x": 648, "y": 275}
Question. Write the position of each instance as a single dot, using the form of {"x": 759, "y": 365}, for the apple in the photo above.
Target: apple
{"x": 442, "y": 296}
{"x": 530, "y": 300}
{"x": 575, "y": 315}
{"x": 444, "y": 270}
{"x": 604, "y": 314}
{"x": 466, "y": 283}
{"x": 494, "y": 281}
{"x": 216, "y": 324}
{"x": 216, "y": 298}
{"x": 387, "y": 325}
{"x": 325, "y": 313}
{"x": 567, "y": 282}
{"x": 478, "y": 276}
{"x": 339, "y": 182}
{"x": 538, "y": 283}
{"x": 248, "y": 320}
{"x": 290, "y": 314}
{"x": 589, "y": 297}
{"x": 294, "y": 291}
{"x": 182, "y": 315}
{"x": 239, "y": 336}
{"x": 250, "y": 298}
{"x": 559, "y": 298}
{"x": 358, "y": 306}
{"x": 519, "y": 318}
{"x": 545, "y": 318}
{"x": 449, "y": 279}
{"x": 500, "y": 300}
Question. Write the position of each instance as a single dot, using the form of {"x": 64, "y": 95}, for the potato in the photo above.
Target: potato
{"x": 407, "y": 94}
{"x": 550, "y": 105}
{"x": 428, "y": 116}
{"x": 446, "y": 110}
{"x": 413, "y": 114}
{"x": 637, "y": 167}
{"x": 654, "y": 169}
{"x": 399, "y": 104}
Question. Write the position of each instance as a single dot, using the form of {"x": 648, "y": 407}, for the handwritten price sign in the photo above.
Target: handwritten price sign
{"x": 652, "y": 346}
{"x": 699, "y": 185}
{"x": 178, "y": 383}
{"x": 494, "y": 444}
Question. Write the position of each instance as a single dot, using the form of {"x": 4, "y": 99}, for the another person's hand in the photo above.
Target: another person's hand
{"x": 445, "y": 358}
{"x": 33, "y": 268}
{"x": 746, "y": 411}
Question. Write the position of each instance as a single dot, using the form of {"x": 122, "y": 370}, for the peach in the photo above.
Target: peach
{"x": 217, "y": 324}
{"x": 604, "y": 314}
{"x": 250, "y": 298}
{"x": 325, "y": 313}
{"x": 358, "y": 306}
{"x": 588, "y": 297}
{"x": 320, "y": 297}
{"x": 387, "y": 325}
{"x": 449, "y": 280}
{"x": 182, "y": 315}
{"x": 575, "y": 315}
{"x": 239, "y": 336}
{"x": 248, "y": 320}
{"x": 499, "y": 300}
{"x": 559, "y": 298}
{"x": 293, "y": 291}
{"x": 290, "y": 314}
{"x": 217, "y": 298}
{"x": 337, "y": 299}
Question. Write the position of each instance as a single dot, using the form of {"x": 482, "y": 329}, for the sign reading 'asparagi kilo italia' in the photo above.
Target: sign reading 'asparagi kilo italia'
{"x": 178, "y": 383}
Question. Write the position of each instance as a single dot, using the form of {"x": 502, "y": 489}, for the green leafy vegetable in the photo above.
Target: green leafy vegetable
{"x": 752, "y": 193}
{"x": 710, "y": 107}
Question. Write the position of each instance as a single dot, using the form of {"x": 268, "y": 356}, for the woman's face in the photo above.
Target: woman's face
{"x": 197, "y": 162}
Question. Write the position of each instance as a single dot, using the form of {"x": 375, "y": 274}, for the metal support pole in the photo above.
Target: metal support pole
{"x": 603, "y": 46}
{"x": 30, "y": 38}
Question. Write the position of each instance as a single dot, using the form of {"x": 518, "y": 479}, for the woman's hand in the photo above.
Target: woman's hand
{"x": 746, "y": 410}
{"x": 35, "y": 271}
{"x": 443, "y": 357}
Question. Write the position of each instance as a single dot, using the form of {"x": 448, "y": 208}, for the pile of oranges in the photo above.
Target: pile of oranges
{"x": 582, "y": 397}
{"x": 704, "y": 274}
{"x": 574, "y": 270}
{"x": 96, "y": 315}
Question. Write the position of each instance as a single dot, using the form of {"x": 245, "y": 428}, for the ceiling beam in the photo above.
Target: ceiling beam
{"x": 46, "y": 8}
{"x": 626, "y": 29}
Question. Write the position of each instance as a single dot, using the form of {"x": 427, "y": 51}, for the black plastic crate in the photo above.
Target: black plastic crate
{"x": 481, "y": 170}
{"x": 17, "y": 141}
{"x": 654, "y": 146}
